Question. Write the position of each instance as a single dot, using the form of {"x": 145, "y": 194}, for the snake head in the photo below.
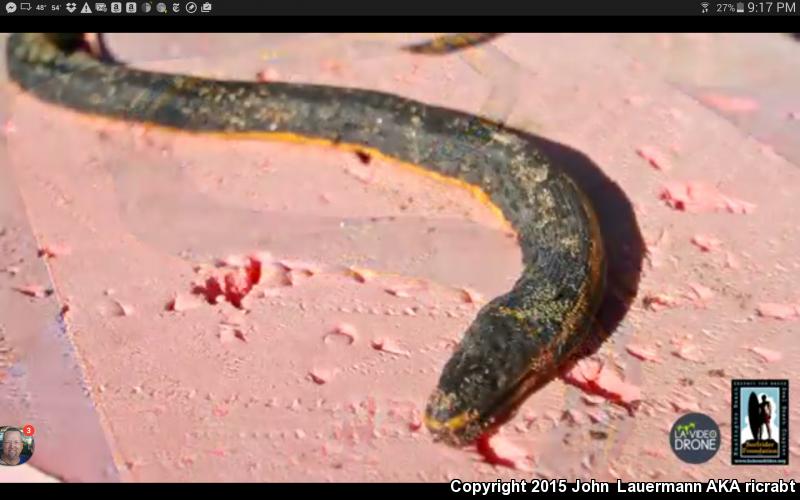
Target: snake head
{"x": 488, "y": 376}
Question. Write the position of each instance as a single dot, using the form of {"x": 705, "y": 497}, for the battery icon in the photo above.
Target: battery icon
{"x": 740, "y": 7}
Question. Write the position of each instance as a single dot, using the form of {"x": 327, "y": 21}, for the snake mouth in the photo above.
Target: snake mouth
{"x": 458, "y": 431}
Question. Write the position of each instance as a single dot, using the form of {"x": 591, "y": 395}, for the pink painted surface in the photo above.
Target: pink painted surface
{"x": 323, "y": 373}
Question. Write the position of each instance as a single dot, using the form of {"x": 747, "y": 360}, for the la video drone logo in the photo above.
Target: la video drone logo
{"x": 695, "y": 438}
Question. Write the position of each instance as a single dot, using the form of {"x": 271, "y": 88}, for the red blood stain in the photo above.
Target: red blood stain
{"x": 596, "y": 378}
{"x": 234, "y": 285}
{"x": 497, "y": 450}
{"x": 210, "y": 291}
{"x": 415, "y": 423}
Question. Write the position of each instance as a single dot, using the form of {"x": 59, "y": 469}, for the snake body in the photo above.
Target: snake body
{"x": 517, "y": 340}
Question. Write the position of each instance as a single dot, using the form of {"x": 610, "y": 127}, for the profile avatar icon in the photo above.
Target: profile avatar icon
{"x": 17, "y": 448}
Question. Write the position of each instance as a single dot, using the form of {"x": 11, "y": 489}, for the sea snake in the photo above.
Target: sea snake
{"x": 518, "y": 340}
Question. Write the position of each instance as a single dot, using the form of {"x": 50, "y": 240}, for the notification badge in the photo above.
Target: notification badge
{"x": 17, "y": 444}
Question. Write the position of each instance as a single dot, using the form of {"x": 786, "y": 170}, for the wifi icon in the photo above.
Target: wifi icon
{"x": 704, "y": 5}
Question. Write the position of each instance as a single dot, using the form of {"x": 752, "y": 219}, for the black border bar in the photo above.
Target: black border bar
{"x": 220, "y": 8}
{"x": 723, "y": 489}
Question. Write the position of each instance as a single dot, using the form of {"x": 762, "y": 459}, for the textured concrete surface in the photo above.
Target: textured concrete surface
{"x": 323, "y": 374}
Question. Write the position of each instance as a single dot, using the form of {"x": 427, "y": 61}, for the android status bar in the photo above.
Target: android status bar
{"x": 406, "y": 7}
{"x": 78, "y": 8}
